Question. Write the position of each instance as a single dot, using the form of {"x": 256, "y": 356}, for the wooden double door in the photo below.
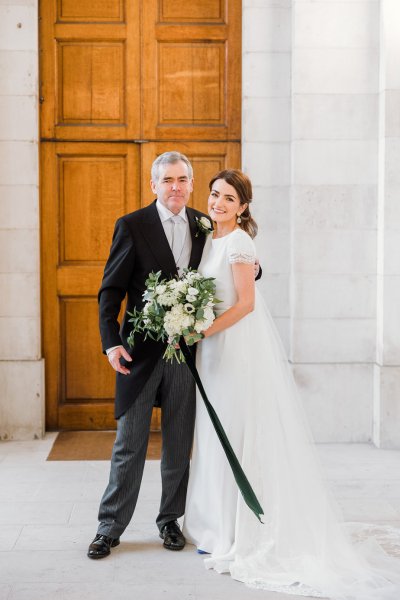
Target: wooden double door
{"x": 121, "y": 81}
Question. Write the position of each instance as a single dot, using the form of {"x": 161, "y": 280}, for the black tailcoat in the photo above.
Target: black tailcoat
{"x": 139, "y": 246}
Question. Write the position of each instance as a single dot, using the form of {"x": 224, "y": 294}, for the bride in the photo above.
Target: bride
{"x": 302, "y": 546}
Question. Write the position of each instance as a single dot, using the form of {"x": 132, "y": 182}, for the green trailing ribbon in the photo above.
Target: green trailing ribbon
{"x": 243, "y": 483}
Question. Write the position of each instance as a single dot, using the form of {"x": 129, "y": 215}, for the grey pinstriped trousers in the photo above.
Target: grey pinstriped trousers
{"x": 175, "y": 388}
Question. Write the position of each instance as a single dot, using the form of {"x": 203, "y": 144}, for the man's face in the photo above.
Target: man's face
{"x": 173, "y": 187}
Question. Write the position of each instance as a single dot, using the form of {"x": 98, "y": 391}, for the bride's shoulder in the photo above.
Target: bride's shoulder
{"x": 241, "y": 244}
{"x": 240, "y": 233}
{"x": 242, "y": 238}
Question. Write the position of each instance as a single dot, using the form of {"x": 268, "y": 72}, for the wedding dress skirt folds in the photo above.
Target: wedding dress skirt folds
{"x": 303, "y": 547}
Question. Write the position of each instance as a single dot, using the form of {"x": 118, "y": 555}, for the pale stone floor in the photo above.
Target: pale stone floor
{"x": 48, "y": 516}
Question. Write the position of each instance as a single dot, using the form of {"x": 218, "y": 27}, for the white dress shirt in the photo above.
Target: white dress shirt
{"x": 165, "y": 216}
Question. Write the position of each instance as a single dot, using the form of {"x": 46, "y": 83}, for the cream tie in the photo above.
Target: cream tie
{"x": 178, "y": 236}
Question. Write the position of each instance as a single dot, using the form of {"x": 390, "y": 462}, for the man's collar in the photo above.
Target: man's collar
{"x": 166, "y": 214}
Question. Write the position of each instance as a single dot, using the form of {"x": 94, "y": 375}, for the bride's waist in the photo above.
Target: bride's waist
{"x": 221, "y": 308}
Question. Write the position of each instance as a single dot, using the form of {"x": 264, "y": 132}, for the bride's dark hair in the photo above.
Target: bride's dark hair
{"x": 242, "y": 185}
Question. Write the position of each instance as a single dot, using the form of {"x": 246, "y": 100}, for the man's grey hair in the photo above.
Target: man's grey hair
{"x": 169, "y": 158}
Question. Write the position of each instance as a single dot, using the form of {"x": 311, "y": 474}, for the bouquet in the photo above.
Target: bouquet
{"x": 174, "y": 308}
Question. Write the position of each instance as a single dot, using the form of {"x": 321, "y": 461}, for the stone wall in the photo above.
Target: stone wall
{"x": 21, "y": 368}
{"x": 387, "y": 372}
{"x": 266, "y": 143}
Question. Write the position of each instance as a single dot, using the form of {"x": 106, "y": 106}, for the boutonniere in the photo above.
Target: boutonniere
{"x": 203, "y": 225}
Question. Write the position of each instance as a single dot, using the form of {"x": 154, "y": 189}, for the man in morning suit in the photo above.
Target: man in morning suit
{"x": 160, "y": 237}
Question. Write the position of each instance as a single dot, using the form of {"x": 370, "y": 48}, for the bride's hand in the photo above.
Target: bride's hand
{"x": 176, "y": 346}
{"x": 193, "y": 338}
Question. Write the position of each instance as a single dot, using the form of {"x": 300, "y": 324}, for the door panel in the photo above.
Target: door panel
{"x": 193, "y": 11}
{"x": 101, "y": 10}
{"x": 85, "y": 188}
{"x": 91, "y": 83}
{"x": 90, "y": 70}
{"x": 191, "y": 97}
{"x": 192, "y": 70}
{"x": 79, "y": 323}
{"x": 92, "y": 197}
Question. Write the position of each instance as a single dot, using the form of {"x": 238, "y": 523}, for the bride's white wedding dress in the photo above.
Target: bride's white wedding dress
{"x": 303, "y": 547}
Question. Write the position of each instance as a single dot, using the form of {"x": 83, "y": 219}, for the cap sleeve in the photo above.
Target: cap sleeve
{"x": 241, "y": 248}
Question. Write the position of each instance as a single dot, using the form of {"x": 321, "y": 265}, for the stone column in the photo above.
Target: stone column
{"x": 310, "y": 145}
{"x": 21, "y": 367}
{"x": 266, "y": 133}
{"x": 334, "y": 213}
{"x": 387, "y": 389}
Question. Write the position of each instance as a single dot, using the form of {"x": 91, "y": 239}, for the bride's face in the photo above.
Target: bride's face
{"x": 224, "y": 204}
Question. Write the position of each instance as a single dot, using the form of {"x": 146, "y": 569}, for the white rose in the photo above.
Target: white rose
{"x": 205, "y": 222}
{"x": 181, "y": 286}
{"x": 192, "y": 291}
{"x": 176, "y": 320}
{"x": 199, "y": 326}
{"x": 208, "y": 313}
{"x": 204, "y": 323}
{"x": 167, "y": 299}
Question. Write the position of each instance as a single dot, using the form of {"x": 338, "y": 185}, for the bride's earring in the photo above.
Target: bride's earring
{"x": 239, "y": 219}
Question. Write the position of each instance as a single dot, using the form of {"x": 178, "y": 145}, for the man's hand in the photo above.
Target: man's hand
{"x": 113, "y": 359}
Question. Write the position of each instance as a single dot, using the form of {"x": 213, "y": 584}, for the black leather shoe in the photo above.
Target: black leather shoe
{"x": 172, "y": 536}
{"x": 101, "y": 546}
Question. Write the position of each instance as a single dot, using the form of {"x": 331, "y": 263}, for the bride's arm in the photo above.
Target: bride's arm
{"x": 243, "y": 278}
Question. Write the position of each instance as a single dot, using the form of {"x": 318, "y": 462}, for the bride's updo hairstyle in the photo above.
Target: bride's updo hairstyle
{"x": 242, "y": 184}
